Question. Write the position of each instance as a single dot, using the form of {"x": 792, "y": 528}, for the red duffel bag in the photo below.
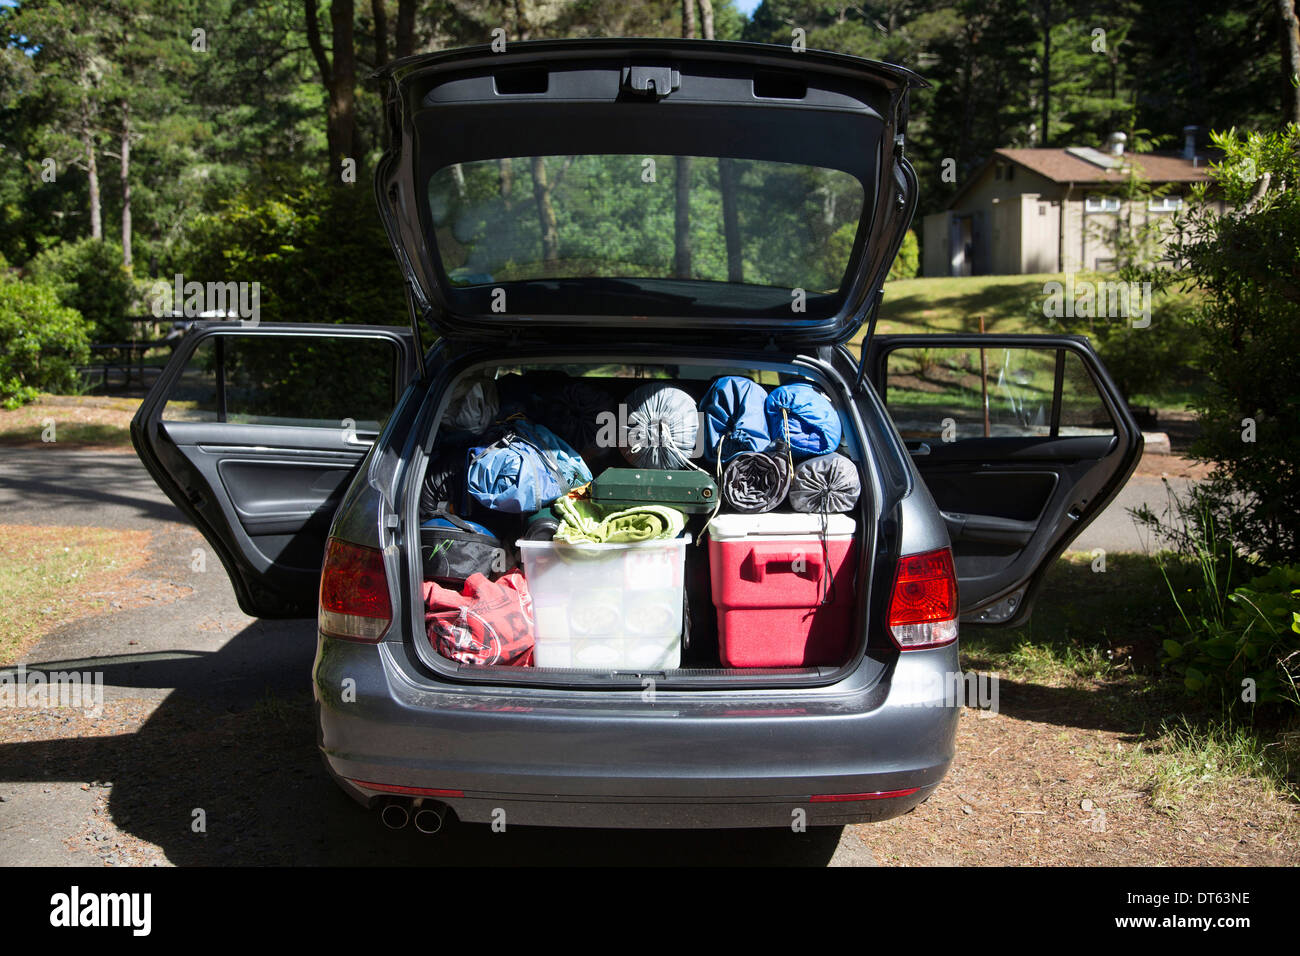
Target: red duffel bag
{"x": 488, "y": 622}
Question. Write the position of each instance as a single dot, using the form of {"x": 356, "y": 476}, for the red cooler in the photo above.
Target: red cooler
{"x": 784, "y": 594}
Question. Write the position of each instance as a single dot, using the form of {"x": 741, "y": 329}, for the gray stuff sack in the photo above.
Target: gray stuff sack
{"x": 827, "y": 484}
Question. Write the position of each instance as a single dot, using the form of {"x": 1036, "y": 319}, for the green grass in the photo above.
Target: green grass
{"x": 1092, "y": 647}
{"x": 51, "y": 574}
{"x": 1086, "y": 626}
{"x": 1188, "y": 755}
{"x": 1008, "y": 304}
{"x": 954, "y": 304}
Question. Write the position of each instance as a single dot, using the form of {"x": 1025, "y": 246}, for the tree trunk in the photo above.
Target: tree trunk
{"x": 546, "y": 216}
{"x": 682, "y": 219}
{"x": 1291, "y": 59}
{"x": 1047, "y": 72}
{"x": 342, "y": 108}
{"x": 338, "y": 78}
{"x": 405, "y": 28}
{"x": 92, "y": 181}
{"x": 126, "y": 186}
{"x": 730, "y": 220}
{"x": 506, "y": 178}
{"x": 92, "y": 165}
{"x": 682, "y": 180}
{"x": 726, "y": 182}
{"x": 380, "y": 14}
{"x": 706, "y": 18}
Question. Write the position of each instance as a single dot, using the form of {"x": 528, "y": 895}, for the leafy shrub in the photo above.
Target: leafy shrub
{"x": 1254, "y": 635}
{"x": 840, "y": 244}
{"x": 318, "y": 251}
{"x": 908, "y": 261}
{"x": 1150, "y": 360}
{"x": 88, "y": 276}
{"x": 41, "y": 342}
{"x": 1247, "y": 263}
{"x": 1239, "y": 621}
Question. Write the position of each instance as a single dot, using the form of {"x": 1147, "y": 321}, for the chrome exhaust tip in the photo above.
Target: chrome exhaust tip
{"x": 429, "y": 820}
{"x": 395, "y": 816}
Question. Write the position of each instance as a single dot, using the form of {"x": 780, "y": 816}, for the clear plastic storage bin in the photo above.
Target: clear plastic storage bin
{"x": 616, "y": 606}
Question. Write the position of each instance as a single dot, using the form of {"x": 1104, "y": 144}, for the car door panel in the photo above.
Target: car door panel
{"x": 1011, "y": 501}
{"x": 263, "y": 492}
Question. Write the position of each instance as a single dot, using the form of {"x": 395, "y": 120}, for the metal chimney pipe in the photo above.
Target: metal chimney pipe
{"x": 1189, "y": 142}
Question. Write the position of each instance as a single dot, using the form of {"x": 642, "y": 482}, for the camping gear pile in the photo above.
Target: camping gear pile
{"x": 555, "y": 521}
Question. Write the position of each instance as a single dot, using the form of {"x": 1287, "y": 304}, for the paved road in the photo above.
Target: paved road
{"x": 207, "y": 666}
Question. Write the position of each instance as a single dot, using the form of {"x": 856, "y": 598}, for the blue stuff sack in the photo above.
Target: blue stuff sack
{"x": 735, "y": 418}
{"x": 524, "y": 470}
{"x": 804, "y": 418}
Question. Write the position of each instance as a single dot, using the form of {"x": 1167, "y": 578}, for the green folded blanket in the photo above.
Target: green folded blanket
{"x": 585, "y": 523}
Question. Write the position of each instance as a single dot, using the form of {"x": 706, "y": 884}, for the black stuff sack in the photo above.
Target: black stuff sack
{"x": 452, "y": 549}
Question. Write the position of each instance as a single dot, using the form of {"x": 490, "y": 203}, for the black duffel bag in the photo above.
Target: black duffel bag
{"x": 451, "y": 549}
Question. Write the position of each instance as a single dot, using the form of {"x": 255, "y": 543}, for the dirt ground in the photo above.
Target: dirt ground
{"x": 1056, "y": 777}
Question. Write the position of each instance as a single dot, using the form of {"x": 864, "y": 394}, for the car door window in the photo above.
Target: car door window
{"x": 953, "y": 394}
{"x": 317, "y": 381}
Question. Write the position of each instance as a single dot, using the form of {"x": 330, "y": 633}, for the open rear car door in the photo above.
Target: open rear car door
{"x": 1021, "y": 439}
{"x": 256, "y": 432}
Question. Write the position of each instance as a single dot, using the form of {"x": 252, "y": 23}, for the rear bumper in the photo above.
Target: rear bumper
{"x": 614, "y": 759}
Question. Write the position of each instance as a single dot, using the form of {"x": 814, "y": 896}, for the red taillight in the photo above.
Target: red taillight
{"x": 353, "y": 593}
{"x": 854, "y": 797}
{"x": 407, "y": 791}
{"x": 923, "y": 605}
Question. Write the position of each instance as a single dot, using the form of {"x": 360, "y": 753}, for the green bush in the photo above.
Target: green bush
{"x": 1239, "y": 620}
{"x": 840, "y": 244}
{"x": 1149, "y": 361}
{"x": 41, "y": 342}
{"x": 318, "y": 251}
{"x": 908, "y": 261}
{"x": 88, "y": 276}
{"x": 1252, "y": 636}
{"x": 1245, "y": 263}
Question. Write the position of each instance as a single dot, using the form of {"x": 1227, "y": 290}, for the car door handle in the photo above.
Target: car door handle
{"x": 922, "y": 448}
{"x": 988, "y": 528}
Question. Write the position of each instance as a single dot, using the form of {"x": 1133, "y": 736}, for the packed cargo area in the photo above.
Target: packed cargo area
{"x": 676, "y": 519}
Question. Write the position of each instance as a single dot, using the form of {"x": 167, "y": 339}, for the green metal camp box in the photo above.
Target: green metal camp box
{"x": 690, "y": 491}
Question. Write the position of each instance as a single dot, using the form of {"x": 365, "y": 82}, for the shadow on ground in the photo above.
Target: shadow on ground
{"x": 252, "y": 766}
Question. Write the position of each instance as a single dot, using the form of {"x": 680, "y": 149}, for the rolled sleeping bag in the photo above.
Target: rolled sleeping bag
{"x": 802, "y": 416}
{"x": 474, "y": 405}
{"x": 574, "y": 413}
{"x": 827, "y": 484}
{"x": 734, "y": 416}
{"x": 529, "y": 394}
{"x": 755, "y": 482}
{"x": 662, "y": 427}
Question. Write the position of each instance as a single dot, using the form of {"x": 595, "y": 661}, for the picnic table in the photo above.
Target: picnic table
{"x": 121, "y": 365}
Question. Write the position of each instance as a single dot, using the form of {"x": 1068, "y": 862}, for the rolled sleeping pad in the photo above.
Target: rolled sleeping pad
{"x": 756, "y": 482}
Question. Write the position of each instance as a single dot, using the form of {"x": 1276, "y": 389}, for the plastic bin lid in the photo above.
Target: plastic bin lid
{"x": 729, "y": 527}
{"x": 681, "y": 541}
